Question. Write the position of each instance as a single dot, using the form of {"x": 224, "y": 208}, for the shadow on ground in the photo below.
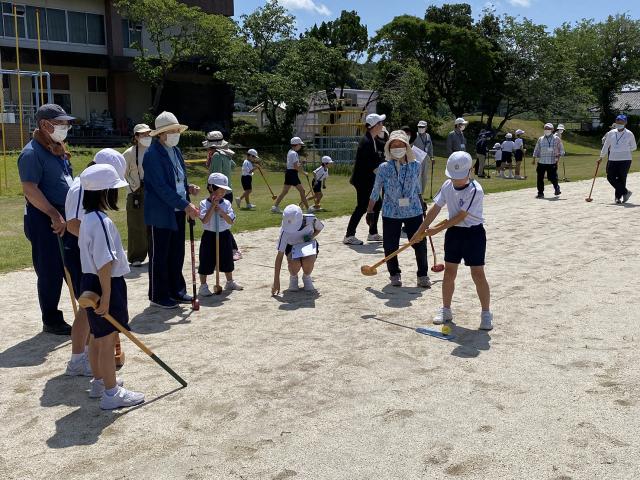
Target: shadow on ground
{"x": 31, "y": 352}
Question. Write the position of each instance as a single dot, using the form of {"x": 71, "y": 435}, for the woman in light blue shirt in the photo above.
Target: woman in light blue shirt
{"x": 399, "y": 177}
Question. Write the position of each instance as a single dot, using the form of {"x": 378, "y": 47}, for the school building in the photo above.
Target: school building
{"x": 87, "y": 49}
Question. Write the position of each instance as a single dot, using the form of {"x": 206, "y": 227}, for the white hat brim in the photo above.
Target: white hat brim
{"x": 158, "y": 131}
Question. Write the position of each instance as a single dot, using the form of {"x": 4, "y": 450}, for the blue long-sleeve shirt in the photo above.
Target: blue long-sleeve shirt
{"x": 398, "y": 181}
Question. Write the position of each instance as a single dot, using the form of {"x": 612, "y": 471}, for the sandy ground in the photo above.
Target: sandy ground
{"x": 325, "y": 387}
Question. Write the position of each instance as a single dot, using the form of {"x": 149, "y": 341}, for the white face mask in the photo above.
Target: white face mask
{"x": 144, "y": 141}
{"x": 398, "y": 153}
{"x": 381, "y": 134}
{"x": 619, "y": 127}
{"x": 548, "y": 132}
{"x": 172, "y": 139}
{"x": 422, "y": 129}
{"x": 59, "y": 133}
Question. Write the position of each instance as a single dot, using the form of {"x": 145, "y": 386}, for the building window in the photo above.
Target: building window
{"x": 57, "y": 24}
{"x": 97, "y": 84}
{"x": 60, "y": 81}
{"x": 32, "y": 26}
{"x": 95, "y": 29}
{"x": 64, "y": 100}
{"x": 8, "y": 29}
{"x": 77, "y": 27}
{"x": 131, "y": 34}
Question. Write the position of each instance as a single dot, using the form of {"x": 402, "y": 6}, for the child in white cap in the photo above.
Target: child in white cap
{"x": 291, "y": 177}
{"x": 498, "y": 156}
{"x": 104, "y": 265}
{"x": 246, "y": 179}
{"x": 320, "y": 176}
{"x": 465, "y": 239}
{"x": 507, "y": 155}
{"x": 217, "y": 215}
{"x": 518, "y": 152}
{"x": 297, "y": 241}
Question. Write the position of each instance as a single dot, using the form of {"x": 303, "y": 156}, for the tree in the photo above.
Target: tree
{"x": 458, "y": 15}
{"x": 178, "y": 34}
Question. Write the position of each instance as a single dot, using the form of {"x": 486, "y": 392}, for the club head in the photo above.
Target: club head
{"x": 217, "y": 289}
{"x": 195, "y": 305}
{"x": 89, "y": 299}
{"x": 437, "y": 268}
{"x": 589, "y": 199}
{"x": 368, "y": 271}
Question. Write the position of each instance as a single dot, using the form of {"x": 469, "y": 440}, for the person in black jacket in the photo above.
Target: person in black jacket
{"x": 369, "y": 156}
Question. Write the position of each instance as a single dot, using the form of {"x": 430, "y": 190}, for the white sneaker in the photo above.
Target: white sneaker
{"x": 238, "y": 201}
{"x": 251, "y": 206}
{"x": 293, "y": 283}
{"x": 232, "y": 285}
{"x": 275, "y": 209}
{"x": 97, "y": 387}
{"x": 375, "y": 237}
{"x": 308, "y": 283}
{"x": 352, "y": 241}
{"x": 204, "y": 291}
{"x": 424, "y": 282}
{"x": 122, "y": 398}
{"x": 79, "y": 368}
{"x": 486, "y": 321}
{"x": 444, "y": 315}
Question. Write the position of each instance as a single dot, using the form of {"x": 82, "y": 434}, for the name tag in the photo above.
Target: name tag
{"x": 403, "y": 202}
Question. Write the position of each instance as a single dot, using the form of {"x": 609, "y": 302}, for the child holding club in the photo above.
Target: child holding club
{"x": 104, "y": 265}
{"x": 498, "y": 156}
{"x": 297, "y": 242}
{"x": 291, "y": 177}
{"x": 465, "y": 238}
{"x": 217, "y": 216}
{"x": 320, "y": 176}
{"x": 248, "y": 167}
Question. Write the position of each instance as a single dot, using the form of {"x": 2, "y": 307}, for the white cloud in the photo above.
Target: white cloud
{"x": 520, "y": 3}
{"x": 309, "y": 5}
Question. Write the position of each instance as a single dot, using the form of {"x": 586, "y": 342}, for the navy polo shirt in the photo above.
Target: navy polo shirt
{"x": 52, "y": 174}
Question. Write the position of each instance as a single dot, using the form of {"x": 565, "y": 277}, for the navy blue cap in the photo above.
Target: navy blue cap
{"x": 51, "y": 111}
{"x": 621, "y": 117}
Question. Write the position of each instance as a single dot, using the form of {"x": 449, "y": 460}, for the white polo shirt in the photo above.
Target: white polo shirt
{"x": 247, "y": 166}
{"x": 292, "y": 159}
{"x": 99, "y": 242}
{"x": 469, "y": 199}
{"x": 619, "y": 145}
{"x": 310, "y": 224}
{"x": 73, "y": 204}
{"x": 507, "y": 146}
{"x": 320, "y": 174}
{"x": 518, "y": 144}
{"x": 225, "y": 206}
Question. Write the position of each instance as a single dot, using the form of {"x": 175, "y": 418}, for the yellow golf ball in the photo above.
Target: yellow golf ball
{"x": 446, "y": 330}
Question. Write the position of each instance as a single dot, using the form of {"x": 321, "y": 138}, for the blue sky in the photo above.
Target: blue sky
{"x": 376, "y": 13}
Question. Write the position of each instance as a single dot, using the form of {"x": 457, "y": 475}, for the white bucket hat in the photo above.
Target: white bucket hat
{"x": 561, "y": 126}
{"x": 166, "y": 121}
{"x": 296, "y": 141}
{"x": 422, "y": 124}
{"x": 458, "y": 165}
{"x": 101, "y": 177}
{"x": 399, "y": 135}
{"x": 219, "y": 180}
{"x": 519, "y": 132}
{"x": 109, "y": 156}
{"x": 292, "y": 218}
{"x": 509, "y": 136}
{"x": 497, "y": 146}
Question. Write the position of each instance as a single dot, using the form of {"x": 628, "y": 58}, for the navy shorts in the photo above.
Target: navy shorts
{"x": 468, "y": 243}
{"x": 291, "y": 178}
{"x": 506, "y": 157}
{"x": 72, "y": 262}
{"x": 246, "y": 181}
{"x": 100, "y": 327}
{"x": 317, "y": 187}
{"x": 208, "y": 252}
{"x": 519, "y": 155}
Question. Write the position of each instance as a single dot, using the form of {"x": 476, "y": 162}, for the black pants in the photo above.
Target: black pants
{"x": 45, "y": 254}
{"x": 392, "y": 228}
{"x": 552, "y": 176}
{"x": 166, "y": 258}
{"x": 362, "y": 196}
{"x": 617, "y": 175}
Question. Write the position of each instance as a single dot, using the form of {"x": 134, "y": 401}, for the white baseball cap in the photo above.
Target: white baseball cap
{"x": 508, "y": 135}
{"x": 373, "y": 119}
{"x": 519, "y": 132}
{"x": 219, "y": 180}
{"x": 422, "y": 124}
{"x": 101, "y": 177}
{"x": 253, "y": 153}
{"x": 109, "y": 156}
{"x": 458, "y": 165}
{"x": 141, "y": 128}
{"x": 497, "y": 146}
{"x": 292, "y": 218}
{"x": 166, "y": 121}
{"x": 326, "y": 159}
{"x": 548, "y": 126}
{"x": 460, "y": 121}
{"x": 561, "y": 126}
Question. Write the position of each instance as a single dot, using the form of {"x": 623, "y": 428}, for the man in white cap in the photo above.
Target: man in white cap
{"x": 423, "y": 140}
{"x": 547, "y": 152}
{"x": 134, "y": 175}
{"x": 455, "y": 140}
{"x": 167, "y": 204}
{"x": 618, "y": 146}
{"x": 558, "y": 134}
{"x": 368, "y": 158}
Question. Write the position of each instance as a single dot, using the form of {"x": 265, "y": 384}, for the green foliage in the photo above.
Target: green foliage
{"x": 191, "y": 139}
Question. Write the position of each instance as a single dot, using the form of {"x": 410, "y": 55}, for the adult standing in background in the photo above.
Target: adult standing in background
{"x": 46, "y": 175}
{"x": 455, "y": 140}
{"x": 618, "y": 145}
{"x": 547, "y": 153}
{"x": 423, "y": 140}
{"x": 482, "y": 147}
{"x": 369, "y": 156}
{"x": 134, "y": 175}
{"x": 166, "y": 206}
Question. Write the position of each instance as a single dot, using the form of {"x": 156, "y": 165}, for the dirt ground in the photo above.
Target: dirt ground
{"x": 339, "y": 385}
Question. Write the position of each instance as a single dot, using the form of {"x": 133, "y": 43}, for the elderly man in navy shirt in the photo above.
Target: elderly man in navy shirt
{"x": 45, "y": 173}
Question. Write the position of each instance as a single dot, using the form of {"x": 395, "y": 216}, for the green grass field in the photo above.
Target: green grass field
{"x": 339, "y": 195}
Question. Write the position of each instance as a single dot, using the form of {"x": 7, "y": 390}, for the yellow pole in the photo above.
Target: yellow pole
{"x": 15, "y": 24}
{"x": 4, "y": 138}
{"x": 39, "y": 55}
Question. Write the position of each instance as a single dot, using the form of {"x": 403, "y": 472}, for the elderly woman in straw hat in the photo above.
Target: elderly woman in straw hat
{"x": 399, "y": 177}
{"x": 219, "y": 161}
{"x": 167, "y": 204}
